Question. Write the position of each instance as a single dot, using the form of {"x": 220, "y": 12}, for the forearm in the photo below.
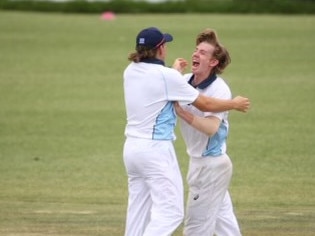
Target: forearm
{"x": 204, "y": 103}
{"x": 220, "y": 105}
{"x": 206, "y": 125}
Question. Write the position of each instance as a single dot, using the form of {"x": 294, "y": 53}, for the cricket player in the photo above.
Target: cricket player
{"x": 209, "y": 206}
{"x": 155, "y": 201}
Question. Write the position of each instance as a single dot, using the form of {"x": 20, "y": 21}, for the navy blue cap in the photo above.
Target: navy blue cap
{"x": 152, "y": 38}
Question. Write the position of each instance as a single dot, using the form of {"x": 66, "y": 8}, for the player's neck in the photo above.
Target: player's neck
{"x": 198, "y": 78}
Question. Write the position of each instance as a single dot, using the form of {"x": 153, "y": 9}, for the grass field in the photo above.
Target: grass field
{"x": 62, "y": 120}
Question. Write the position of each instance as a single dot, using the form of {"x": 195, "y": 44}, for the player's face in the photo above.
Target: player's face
{"x": 203, "y": 60}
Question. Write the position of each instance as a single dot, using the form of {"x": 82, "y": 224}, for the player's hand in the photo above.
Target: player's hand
{"x": 241, "y": 103}
{"x": 180, "y": 64}
{"x": 179, "y": 110}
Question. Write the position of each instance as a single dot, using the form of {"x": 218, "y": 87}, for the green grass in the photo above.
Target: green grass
{"x": 62, "y": 119}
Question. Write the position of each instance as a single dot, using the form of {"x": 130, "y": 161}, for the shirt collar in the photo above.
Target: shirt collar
{"x": 153, "y": 61}
{"x": 204, "y": 84}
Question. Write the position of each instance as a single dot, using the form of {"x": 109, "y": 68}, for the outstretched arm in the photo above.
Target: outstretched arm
{"x": 238, "y": 103}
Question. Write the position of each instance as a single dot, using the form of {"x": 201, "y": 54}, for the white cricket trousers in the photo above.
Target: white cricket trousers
{"x": 155, "y": 202}
{"x": 209, "y": 206}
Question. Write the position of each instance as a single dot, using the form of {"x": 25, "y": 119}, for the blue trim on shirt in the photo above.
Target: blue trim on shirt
{"x": 205, "y": 83}
{"x": 165, "y": 123}
{"x": 153, "y": 61}
{"x": 214, "y": 146}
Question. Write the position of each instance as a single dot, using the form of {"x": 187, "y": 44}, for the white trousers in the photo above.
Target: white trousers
{"x": 209, "y": 206}
{"x": 155, "y": 202}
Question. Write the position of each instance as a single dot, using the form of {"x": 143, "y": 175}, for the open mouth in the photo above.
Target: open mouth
{"x": 195, "y": 64}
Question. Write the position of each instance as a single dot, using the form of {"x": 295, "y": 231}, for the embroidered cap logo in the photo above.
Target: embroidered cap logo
{"x": 141, "y": 40}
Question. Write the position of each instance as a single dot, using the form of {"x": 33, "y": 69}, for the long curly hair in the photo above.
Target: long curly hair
{"x": 142, "y": 53}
